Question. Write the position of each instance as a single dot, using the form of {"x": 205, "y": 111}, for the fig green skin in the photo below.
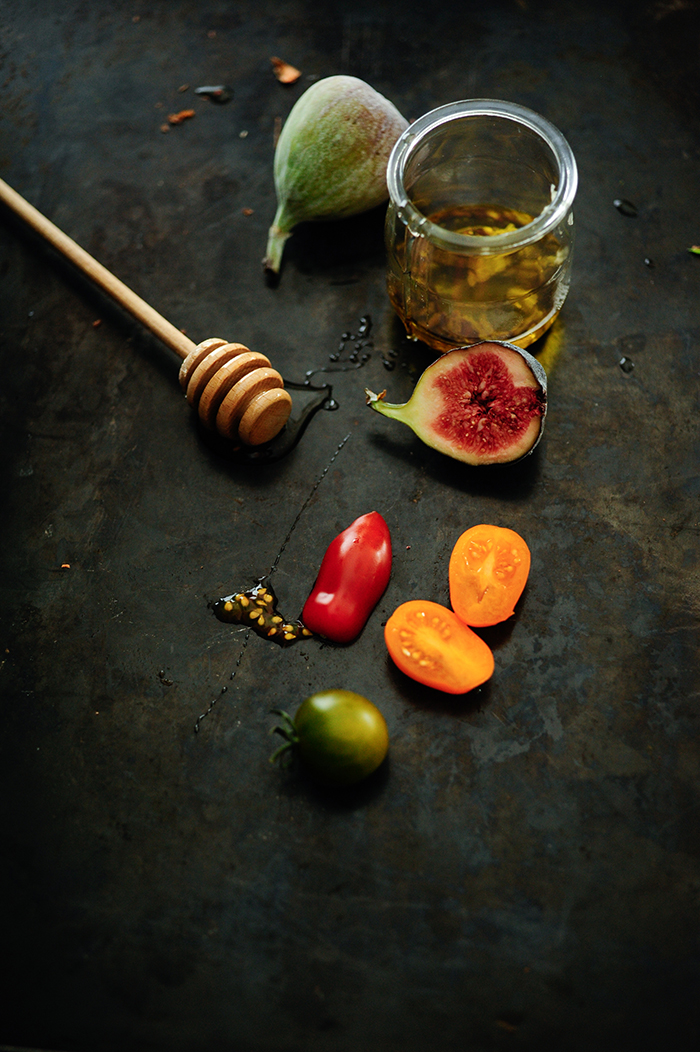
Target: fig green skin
{"x": 341, "y": 736}
{"x": 418, "y": 413}
{"x": 331, "y": 157}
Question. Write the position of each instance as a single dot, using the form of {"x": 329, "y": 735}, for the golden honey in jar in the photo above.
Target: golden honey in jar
{"x": 479, "y": 228}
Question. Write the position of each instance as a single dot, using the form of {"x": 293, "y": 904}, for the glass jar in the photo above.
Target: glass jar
{"x": 479, "y": 228}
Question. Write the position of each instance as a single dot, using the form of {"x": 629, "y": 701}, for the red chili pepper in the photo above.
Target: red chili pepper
{"x": 353, "y": 575}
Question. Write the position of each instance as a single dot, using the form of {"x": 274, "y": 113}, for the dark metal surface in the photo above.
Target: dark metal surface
{"x": 524, "y": 873}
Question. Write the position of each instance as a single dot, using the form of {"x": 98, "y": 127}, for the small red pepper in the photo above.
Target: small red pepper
{"x": 353, "y": 575}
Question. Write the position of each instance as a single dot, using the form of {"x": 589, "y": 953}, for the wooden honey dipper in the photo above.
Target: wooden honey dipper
{"x": 235, "y": 391}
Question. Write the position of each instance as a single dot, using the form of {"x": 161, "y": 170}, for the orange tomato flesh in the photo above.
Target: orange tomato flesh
{"x": 489, "y": 567}
{"x": 431, "y": 645}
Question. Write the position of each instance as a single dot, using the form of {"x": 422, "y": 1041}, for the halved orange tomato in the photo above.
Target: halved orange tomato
{"x": 488, "y": 571}
{"x": 431, "y": 645}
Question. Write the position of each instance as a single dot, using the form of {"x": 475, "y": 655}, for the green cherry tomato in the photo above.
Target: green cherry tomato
{"x": 340, "y": 736}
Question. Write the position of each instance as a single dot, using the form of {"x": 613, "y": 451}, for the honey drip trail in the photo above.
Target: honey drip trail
{"x": 223, "y": 690}
{"x": 305, "y": 505}
{"x": 257, "y": 607}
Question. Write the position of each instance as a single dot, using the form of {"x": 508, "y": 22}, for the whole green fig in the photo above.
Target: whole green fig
{"x": 331, "y": 157}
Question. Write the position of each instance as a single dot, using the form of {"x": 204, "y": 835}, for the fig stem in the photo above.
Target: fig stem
{"x": 276, "y": 240}
{"x": 390, "y": 409}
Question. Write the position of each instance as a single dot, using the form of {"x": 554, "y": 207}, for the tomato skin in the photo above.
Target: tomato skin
{"x": 341, "y": 736}
{"x": 353, "y": 576}
{"x": 488, "y": 571}
{"x": 431, "y": 645}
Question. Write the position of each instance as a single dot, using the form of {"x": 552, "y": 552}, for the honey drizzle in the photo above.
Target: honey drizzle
{"x": 256, "y": 608}
{"x": 261, "y": 600}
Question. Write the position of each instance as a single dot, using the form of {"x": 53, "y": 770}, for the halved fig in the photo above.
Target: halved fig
{"x": 484, "y": 404}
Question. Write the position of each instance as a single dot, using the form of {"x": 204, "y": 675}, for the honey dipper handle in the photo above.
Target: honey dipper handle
{"x": 140, "y": 310}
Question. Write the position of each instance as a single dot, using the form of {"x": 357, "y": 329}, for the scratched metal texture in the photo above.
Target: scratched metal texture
{"x": 524, "y": 871}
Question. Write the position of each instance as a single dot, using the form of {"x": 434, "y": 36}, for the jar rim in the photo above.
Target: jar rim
{"x": 550, "y": 216}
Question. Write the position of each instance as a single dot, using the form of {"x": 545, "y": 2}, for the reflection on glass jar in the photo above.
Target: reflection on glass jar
{"x": 479, "y": 228}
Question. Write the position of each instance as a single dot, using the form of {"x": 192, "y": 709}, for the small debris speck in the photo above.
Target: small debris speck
{"x": 625, "y": 208}
{"x": 285, "y": 73}
{"x": 178, "y": 118}
{"x": 219, "y": 93}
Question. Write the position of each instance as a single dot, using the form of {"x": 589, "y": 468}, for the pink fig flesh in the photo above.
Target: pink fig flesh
{"x": 484, "y": 404}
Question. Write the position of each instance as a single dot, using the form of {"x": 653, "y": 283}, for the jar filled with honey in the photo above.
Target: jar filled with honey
{"x": 479, "y": 228}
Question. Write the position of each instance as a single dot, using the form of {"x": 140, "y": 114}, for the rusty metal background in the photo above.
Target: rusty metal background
{"x": 524, "y": 873}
